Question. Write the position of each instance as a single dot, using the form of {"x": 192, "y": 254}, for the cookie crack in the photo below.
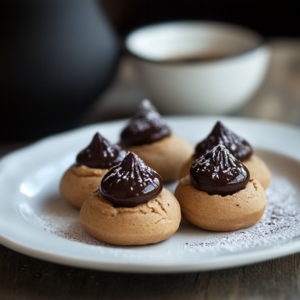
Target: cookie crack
{"x": 153, "y": 210}
{"x": 254, "y": 184}
{"x": 159, "y": 220}
{"x": 161, "y": 206}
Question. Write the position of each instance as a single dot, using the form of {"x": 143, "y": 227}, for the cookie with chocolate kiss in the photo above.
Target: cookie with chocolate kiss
{"x": 148, "y": 135}
{"x": 237, "y": 146}
{"x": 218, "y": 194}
{"x": 131, "y": 207}
{"x": 92, "y": 163}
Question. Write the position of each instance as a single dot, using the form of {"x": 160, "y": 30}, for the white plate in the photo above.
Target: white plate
{"x": 34, "y": 220}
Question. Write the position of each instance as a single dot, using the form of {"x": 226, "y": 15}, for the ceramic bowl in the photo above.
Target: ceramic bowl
{"x": 230, "y": 64}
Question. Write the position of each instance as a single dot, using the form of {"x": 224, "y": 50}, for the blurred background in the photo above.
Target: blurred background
{"x": 63, "y": 63}
{"x": 270, "y": 18}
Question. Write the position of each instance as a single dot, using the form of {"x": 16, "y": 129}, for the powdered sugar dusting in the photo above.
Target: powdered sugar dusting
{"x": 219, "y": 162}
{"x": 68, "y": 228}
{"x": 132, "y": 167}
{"x": 130, "y": 183}
{"x": 280, "y": 223}
{"x": 100, "y": 153}
{"x": 146, "y": 117}
{"x": 222, "y": 135}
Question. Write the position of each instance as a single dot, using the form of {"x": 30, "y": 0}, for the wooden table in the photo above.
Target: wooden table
{"x": 23, "y": 277}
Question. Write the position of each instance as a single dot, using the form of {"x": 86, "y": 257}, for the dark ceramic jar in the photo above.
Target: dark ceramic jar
{"x": 56, "y": 57}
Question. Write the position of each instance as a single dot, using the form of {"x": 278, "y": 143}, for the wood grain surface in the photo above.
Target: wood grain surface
{"x": 23, "y": 277}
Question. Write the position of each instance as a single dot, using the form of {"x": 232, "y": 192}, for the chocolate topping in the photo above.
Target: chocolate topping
{"x": 146, "y": 127}
{"x": 130, "y": 183}
{"x": 219, "y": 172}
{"x": 238, "y": 147}
{"x": 100, "y": 154}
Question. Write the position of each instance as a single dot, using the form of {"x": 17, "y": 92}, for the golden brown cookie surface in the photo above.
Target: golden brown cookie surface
{"x": 78, "y": 182}
{"x": 258, "y": 170}
{"x": 165, "y": 156}
{"x": 185, "y": 170}
{"x": 150, "y": 222}
{"x": 217, "y": 213}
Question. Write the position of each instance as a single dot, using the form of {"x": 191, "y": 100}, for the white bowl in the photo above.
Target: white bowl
{"x": 213, "y": 86}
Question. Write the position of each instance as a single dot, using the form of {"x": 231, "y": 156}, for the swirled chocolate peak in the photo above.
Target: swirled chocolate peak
{"x": 130, "y": 183}
{"x": 220, "y": 134}
{"x": 101, "y": 154}
{"x": 219, "y": 172}
{"x": 145, "y": 127}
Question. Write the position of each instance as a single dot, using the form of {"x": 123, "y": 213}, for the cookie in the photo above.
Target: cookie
{"x": 92, "y": 163}
{"x": 150, "y": 222}
{"x": 78, "y": 183}
{"x": 131, "y": 207}
{"x": 258, "y": 170}
{"x": 218, "y": 193}
{"x": 166, "y": 156}
{"x": 217, "y": 213}
{"x": 148, "y": 135}
{"x": 237, "y": 146}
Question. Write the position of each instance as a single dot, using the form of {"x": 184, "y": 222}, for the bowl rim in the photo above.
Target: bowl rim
{"x": 261, "y": 44}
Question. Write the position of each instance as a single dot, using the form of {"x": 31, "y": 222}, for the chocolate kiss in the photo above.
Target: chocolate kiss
{"x": 146, "y": 126}
{"x": 130, "y": 183}
{"x": 219, "y": 172}
{"x": 100, "y": 154}
{"x": 220, "y": 134}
